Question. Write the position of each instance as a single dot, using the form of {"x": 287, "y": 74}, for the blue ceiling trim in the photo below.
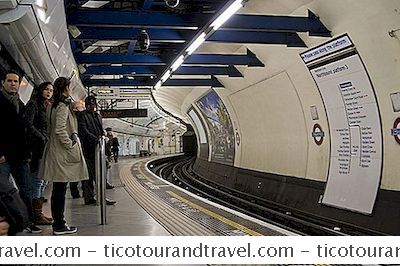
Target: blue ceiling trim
{"x": 110, "y": 70}
{"x": 249, "y": 59}
{"x": 109, "y": 58}
{"x": 111, "y": 18}
{"x": 230, "y": 71}
{"x": 235, "y": 36}
{"x": 131, "y": 46}
{"x": 119, "y": 82}
{"x": 147, "y": 4}
{"x": 212, "y": 82}
{"x": 164, "y": 35}
{"x": 311, "y": 24}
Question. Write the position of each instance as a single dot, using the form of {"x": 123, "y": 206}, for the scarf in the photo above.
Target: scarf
{"x": 13, "y": 98}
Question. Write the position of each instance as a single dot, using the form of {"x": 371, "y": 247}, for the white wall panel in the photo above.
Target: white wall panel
{"x": 272, "y": 127}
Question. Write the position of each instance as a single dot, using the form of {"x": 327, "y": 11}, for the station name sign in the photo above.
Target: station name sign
{"x": 123, "y": 113}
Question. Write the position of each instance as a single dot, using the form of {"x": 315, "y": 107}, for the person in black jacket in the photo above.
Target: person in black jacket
{"x": 36, "y": 123}
{"x": 90, "y": 129}
{"x": 14, "y": 155}
{"x": 115, "y": 148}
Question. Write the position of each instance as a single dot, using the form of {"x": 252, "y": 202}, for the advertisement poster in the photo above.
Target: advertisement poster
{"x": 220, "y": 126}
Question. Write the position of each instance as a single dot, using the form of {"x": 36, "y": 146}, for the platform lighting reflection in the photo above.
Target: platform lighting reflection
{"x": 235, "y": 6}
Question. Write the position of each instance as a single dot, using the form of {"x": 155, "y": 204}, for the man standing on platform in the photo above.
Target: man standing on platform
{"x": 14, "y": 156}
{"x": 90, "y": 129}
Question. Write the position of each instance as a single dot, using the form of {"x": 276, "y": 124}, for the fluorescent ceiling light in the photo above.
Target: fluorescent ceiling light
{"x": 104, "y": 91}
{"x": 106, "y": 77}
{"x": 190, "y": 76}
{"x": 196, "y": 43}
{"x": 116, "y": 65}
{"x": 158, "y": 85}
{"x": 99, "y": 49}
{"x": 95, "y": 4}
{"x": 75, "y": 32}
{"x": 227, "y": 14}
{"x": 109, "y": 43}
{"x": 177, "y": 63}
{"x": 166, "y": 76}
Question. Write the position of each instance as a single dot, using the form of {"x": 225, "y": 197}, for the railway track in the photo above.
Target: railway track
{"x": 179, "y": 170}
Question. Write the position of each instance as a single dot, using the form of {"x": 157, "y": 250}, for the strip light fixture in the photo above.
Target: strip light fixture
{"x": 196, "y": 43}
{"x": 177, "y": 63}
{"x": 207, "y": 31}
{"x": 166, "y": 76}
{"x": 232, "y": 9}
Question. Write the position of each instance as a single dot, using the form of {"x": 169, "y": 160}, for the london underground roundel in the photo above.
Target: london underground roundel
{"x": 318, "y": 134}
{"x": 396, "y": 130}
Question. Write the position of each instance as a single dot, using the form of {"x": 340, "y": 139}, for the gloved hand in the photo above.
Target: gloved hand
{"x": 74, "y": 138}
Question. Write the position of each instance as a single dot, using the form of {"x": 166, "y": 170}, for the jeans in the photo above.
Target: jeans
{"x": 39, "y": 186}
{"x": 58, "y": 204}
{"x": 22, "y": 176}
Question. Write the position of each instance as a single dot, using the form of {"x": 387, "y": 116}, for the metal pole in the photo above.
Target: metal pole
{"x": 100, "y": 165}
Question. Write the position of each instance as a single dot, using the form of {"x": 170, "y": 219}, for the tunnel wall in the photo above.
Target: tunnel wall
{"x": 270, "y": 109}
{"x": 270, "y": 106}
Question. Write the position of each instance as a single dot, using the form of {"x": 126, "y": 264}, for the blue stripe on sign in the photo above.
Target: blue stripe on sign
{"x": 318, "y": 134}
{"x": 395, "y": 131}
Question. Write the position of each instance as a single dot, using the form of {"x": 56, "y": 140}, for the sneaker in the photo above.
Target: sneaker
{"x": 33, "y": 229}
{"x": 110, "y": 202}
{"x": 66, "y": 230}
{"x": 109, "y": 186}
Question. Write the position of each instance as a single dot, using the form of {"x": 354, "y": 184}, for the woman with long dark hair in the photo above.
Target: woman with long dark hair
{"x": 63, "y": 160}
{"x": 35, "y": 121}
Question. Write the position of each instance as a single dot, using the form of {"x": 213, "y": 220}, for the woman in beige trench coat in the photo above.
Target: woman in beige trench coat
{"x": 63, "y": 160}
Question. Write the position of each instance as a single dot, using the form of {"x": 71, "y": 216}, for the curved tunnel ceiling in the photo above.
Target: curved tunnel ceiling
{"x": 104, "y": 43}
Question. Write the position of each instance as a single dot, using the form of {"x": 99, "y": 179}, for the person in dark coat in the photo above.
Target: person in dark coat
{"x": 90, "y": 129}
{"x": 36, "y": 123}
{"x": 14, "y": 155}
{"x": 115, "y": 148}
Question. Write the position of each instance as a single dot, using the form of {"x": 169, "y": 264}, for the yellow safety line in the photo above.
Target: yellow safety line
{"x": 139, "y": 169}
{"x": 215, "y": 215}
